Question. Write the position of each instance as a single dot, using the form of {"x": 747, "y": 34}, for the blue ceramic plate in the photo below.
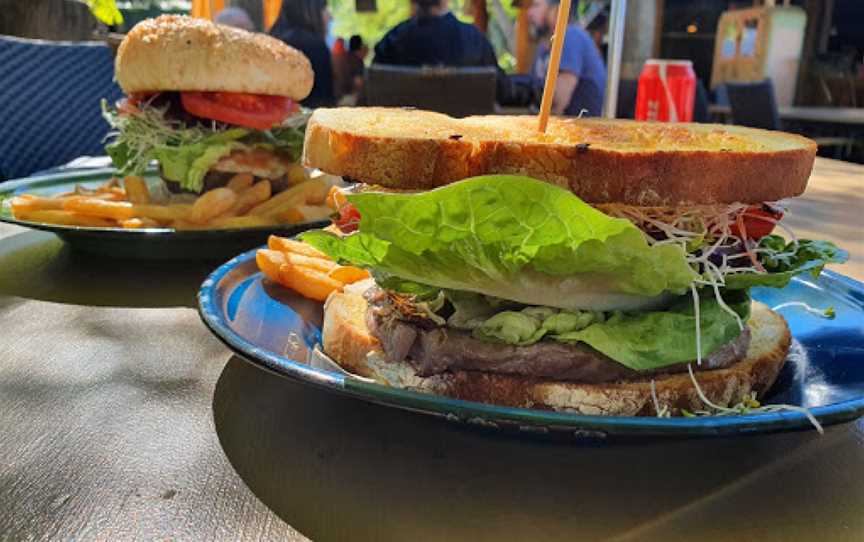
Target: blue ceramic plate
{"x": 275, "y": 329}
{"x": 152, "y": 243}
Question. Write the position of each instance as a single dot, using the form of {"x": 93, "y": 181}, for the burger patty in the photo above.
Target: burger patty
{"x": 434, "y": 350}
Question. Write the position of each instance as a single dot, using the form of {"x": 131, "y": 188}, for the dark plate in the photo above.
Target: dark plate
{"x": 154, "y": 243}
{"x": 269, "y": 326}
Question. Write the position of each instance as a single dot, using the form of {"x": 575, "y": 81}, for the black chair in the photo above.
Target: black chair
{"x": 49, "y": 102}
{"x": 700, "y": 103}
{"x": 458, "y": 92}
{"x": 754, "y": 104}
{"x": 626, "y": 106}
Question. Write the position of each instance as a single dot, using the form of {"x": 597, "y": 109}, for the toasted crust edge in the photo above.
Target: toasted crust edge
{"x": 649, "y": 178}
{"x": 347, "y": 340}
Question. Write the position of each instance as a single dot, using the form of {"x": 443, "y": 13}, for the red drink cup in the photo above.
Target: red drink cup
{"x": 667, "y": 89}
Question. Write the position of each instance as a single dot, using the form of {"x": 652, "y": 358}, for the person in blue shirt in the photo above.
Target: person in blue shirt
{"x": 433, "y": 36}
{"x": 582, "y": 74}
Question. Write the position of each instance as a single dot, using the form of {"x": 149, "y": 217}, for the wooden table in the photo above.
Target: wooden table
{"x": 827, "y": 115}
{"x": 122, "y": 418}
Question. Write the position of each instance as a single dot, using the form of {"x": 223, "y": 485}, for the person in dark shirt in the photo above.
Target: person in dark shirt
{"x": 434, "y": 37}
{"x": 302, "y": 24}
{"x": 582, "y": 75}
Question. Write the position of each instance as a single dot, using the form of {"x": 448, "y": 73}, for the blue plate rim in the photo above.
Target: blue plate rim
{"x": 698, "y": 426}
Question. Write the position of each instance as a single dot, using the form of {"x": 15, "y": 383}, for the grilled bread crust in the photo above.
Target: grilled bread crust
{"x": 601, "y": 161}
{"x": 348, "y": 341}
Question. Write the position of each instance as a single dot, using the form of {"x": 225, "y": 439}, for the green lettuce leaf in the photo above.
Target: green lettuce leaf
{"x": 650, "y": 340}
{"x": 510, "y": 237}
{"x": 783, "y": 260}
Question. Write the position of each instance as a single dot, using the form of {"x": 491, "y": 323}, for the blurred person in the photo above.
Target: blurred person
{"x": 433, "y": 36}
{"x": 355, "y": 65}
{"x": 582, "y": 75}
{"x": 340, "y": 57}
{"x": 236, "y": 17}
{"x": 303, "y": 24}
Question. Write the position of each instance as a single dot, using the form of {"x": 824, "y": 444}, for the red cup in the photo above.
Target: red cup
{"x": 667, "y": 89}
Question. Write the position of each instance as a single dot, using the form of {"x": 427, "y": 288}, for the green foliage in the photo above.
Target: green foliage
{"x": 106, "y": 11}
{"x": 370, "y": 26}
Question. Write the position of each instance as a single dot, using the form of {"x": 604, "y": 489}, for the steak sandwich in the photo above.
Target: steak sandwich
{"x": 207, "y": 102}
{"x": 603, "y": 267}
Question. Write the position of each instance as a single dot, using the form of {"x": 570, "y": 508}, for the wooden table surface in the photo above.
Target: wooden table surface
{"x": 122, "y": 418}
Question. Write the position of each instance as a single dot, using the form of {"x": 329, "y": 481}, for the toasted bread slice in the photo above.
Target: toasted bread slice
{"x": 601, "y": 161}
{"x": 347, "y": 340}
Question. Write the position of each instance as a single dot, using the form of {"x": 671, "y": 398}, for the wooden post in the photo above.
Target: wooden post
{"x": 523, "y": 39}
{"x": 481, "y": 15}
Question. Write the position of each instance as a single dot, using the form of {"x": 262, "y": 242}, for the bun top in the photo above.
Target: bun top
{"x": 176, "y": 53}
{"x": 601, "y": 161}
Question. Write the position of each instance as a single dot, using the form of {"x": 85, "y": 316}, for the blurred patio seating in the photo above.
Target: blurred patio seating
{"x": 754, "y": 105}
{"x": 50, "y": 102}
{"x": 458, "y": 92}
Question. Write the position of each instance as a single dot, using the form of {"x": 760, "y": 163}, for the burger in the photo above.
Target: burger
{"x": 206, "y": 102}
{"x": 601, "y": 267}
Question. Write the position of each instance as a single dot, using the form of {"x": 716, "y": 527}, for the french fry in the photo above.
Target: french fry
{"x": 242, "y": 222}
{"x": 66, "y": 218}
{"x": 240, "y": 182}
{"x": 319, "y": 264}
{"x": 335, "y": 198}
{"x": 139, "y": 223}
{"x": 212, "y": 204}
{"x": 297, "y": 247}
{"x": 28, "y": 203}
{"x": 292, "y": 215}
{"x": 288, "y": 198}
{"x": 136, "y": 189}
{"x": 163, "y": 213}
{"x": 317, "y": 194}
{"x": 348, "y": 274}
{"x": 251, "y": 197}
{"x": 297, "y": 174}
{"x": 115, "y": 210}
{"x": 308, "y": 282}
{"x": 269, "y": 262}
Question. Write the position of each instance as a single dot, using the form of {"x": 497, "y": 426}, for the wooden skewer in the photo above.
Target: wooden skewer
{"x": 554, "y": 62}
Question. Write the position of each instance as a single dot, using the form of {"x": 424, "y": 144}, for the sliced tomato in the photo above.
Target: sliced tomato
{"x": 756, "y": 222}
{"x": 348, "y": 219}
{"x": 258, "y": 111}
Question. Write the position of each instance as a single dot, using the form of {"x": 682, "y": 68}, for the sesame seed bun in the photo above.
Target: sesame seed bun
{"x": 178, "y": 53}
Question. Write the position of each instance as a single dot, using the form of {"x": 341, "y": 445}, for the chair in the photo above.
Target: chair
{"x": 626, "y": 106}
{"x": 754, "y": 105}
{"x": 49, "y": 102}
{"x": 458, "y": 92}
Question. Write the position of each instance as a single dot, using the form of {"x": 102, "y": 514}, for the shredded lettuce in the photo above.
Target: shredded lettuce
{"x": 510, "y": 237}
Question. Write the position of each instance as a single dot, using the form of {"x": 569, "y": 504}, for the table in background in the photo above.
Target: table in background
{"x": 827, "y": 115}
{"x": 123, "y": 418}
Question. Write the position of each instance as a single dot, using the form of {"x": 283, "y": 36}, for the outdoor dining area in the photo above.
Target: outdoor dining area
{"x": 432, "y": 270}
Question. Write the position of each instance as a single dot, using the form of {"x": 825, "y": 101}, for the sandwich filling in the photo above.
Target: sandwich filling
{"x": 198, "y": 137}
{"x": 509, "y": 274}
